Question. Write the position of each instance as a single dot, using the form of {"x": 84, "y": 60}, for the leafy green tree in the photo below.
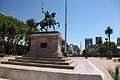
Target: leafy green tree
{"x": 11, "y": 32}
{"x": 106, "y": 49}
{"x": 35, "y": 30}
{"x": 85, "y": 53}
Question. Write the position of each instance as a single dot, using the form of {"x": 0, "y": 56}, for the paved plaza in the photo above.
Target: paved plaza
{"x": 87, "y": 67}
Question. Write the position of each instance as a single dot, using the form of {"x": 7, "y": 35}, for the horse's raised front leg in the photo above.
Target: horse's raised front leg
{"x": 46, "y": 29}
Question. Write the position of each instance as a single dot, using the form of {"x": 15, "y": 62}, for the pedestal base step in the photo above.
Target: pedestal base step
{"x": 43, "y": 59}
{"x": 4, "y": 79}
{"x": 39, "y": 65}
{"x": 43, "y": 62}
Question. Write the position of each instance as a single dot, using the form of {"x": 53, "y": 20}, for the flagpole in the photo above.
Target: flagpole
{"x": 65, "y": 26}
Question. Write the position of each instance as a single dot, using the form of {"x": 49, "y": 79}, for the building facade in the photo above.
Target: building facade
{"x": 98, "y": 40}
{"x": 118, "y": 41}
{"x": 88, "y": 43}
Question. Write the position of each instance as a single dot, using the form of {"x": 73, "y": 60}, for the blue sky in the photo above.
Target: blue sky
{"x": 86, "y": 18}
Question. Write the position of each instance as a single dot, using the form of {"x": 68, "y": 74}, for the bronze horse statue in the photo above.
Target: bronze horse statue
{"x": 48, "y": 21}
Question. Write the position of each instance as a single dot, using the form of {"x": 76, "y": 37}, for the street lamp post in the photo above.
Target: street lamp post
{"x": 65, "y": 26}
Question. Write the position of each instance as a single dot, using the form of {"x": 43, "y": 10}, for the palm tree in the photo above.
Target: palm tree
{"x": 30, "y": 24}
{"x": 108, "y": 32}
{"x": 115, "y": 74}
{"x": 106, "y": 39}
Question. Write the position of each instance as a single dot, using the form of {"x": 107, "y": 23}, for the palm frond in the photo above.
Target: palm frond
{"x": 114, "y": 74}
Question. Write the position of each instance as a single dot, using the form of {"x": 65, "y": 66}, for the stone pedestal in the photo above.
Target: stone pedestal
{"x": 46, "y": 44}
{"x": 45, "y": 52}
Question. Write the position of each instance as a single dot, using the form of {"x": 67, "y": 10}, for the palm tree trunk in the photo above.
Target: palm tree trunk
{"x": 109, "y": 38}
{"x": 109, "y": 44}
{"x": 30, "y": 30}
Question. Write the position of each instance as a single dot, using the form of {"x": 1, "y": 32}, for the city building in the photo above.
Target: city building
{"x": 98, "y": 40}
{"x": 88, "y": 42}
{"x": 118, "y": 41}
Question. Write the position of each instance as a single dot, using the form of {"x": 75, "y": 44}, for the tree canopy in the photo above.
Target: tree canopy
{"x": 107, "y": 49}
{"x": 12, "y": 31}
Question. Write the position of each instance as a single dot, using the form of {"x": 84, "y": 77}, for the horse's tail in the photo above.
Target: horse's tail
{"x": 58, "y": 24}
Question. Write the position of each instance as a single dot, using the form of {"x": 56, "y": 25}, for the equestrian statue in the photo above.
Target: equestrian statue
{"x": 48, "y": 21}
